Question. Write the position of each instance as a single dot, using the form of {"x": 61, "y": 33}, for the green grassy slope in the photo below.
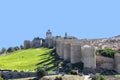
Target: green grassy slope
{"x": 27, "y": 60}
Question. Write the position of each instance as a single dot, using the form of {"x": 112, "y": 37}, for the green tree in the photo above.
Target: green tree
{"x": 21, "y": 47}
{"x": 3, "y": 50}
{"x": 16, "y": 48}
{"x": 107, "y": 52}
{"x": 10, "y": 49}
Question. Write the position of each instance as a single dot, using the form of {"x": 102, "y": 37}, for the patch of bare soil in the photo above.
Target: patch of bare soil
{"x": 65, "y": 77}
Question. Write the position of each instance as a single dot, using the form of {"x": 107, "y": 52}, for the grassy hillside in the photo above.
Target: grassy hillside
{"x": 27, "y": 60}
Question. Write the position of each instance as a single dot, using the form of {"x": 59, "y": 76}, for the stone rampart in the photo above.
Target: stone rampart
{"x": 117, "y": 62}
{"x": 75, "y": 53}
{"x": 36, "y": 43}
{"x": 59, "y": 46}
{"x": 67, "y": 51}
{"x": 104, "y": 62}
{"x": 27, "y": 44}
{"x": 88, "y": 56}
{"x": 67, "y": 48}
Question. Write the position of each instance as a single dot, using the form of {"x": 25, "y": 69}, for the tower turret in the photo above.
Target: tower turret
{"x": 65, "y": 35}
{"x": 49, "y": 39}
{"x": 48, "y": 34}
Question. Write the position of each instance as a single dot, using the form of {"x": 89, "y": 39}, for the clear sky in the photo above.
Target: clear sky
{"x": 26, "y": 19}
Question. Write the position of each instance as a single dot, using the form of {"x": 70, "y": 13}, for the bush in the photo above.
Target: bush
{"x": 79, "y": 65}
{"x": 107, "y": 52}
{"x": 3, "y": 50}
{"x": 98, "y": 77}
{"x": 74, "y": 72}
{"x": 58, "y": 78}
{"x": 60, "y": 64}
{"x": 1, "y": 77}
{"x": 102, "y": 78}
{"x": 40, "y": 72}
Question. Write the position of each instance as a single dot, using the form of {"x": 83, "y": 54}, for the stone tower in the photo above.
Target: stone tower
{"x": 67, "y": 51}
{"x": 65, "y": 36}
{"x": 36, "y": 42}
{"x": 117, "y": 62}
{"x": 49, "y": 39}
{"x": 75, "y": 53}
{"x": 48, "y": 34}
{"x": 88, "y": 56}
{"x": 27, "y": 44}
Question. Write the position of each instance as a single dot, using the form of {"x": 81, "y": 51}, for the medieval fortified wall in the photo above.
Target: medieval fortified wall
{"x": 35, "y": 43}
{"x": 74, "y": 50}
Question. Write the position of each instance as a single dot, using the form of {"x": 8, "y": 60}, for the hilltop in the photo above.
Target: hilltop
{"x": 27, "y": 60}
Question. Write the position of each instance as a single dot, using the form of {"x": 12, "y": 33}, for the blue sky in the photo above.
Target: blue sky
{"x": 26, "y": 19}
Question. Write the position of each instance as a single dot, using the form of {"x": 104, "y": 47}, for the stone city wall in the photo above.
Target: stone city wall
{"x": 75, "y": 54}
{"x": 117, "y": 62}
{"x": 76, "y": 51}
{"x": 36, "y": 43}
{"x": 58, "y": 46}
{"x": 67, "y": 51}
{"x": 67, "y": 48}
{"x": 61, "y": 48}
{"x": 27, "y": 44}
{"x": 88, "y": 56}
{"x": 104, "y": 62}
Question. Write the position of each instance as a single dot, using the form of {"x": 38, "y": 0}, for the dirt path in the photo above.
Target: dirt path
{"x": 23, "y": 78}
{"x": 87, "y": 77}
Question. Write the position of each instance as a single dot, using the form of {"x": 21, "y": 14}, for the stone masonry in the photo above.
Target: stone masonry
{"x": 58, "y": 46}
{"x": 117, "y": 62}
{"x": 35, "y": 43}
{"x": 67, "y": 51}
{"x": 75, "y": 53}
{"x": 61, "y": 48}
{"x": 88, "y": 56}
{"x": 27, "y": 44}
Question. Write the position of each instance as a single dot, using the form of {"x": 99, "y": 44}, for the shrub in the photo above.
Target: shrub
{"x": 58, "y": 78}
{"x": 60, "y": 64}
{"x": 79, "y": 65}
{"x": 1, "y": 77}
{"x": 98, "y": 77}
{"x": 107, "y": 52}
{"x": 102, "y": 78}
{"x": 3, "y": 50}
{"x": 40, "y": 72}
{"x": 74, "y": 72}
{"x": 10, "y": 49}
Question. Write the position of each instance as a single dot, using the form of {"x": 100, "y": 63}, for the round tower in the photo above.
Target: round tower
{"x": 88, "y": 56}
{"x": 117, "y": 62}
{"x": 67, "y": 51}
{"x": 75, "y": 51}
{"x": 27, "y": 44}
